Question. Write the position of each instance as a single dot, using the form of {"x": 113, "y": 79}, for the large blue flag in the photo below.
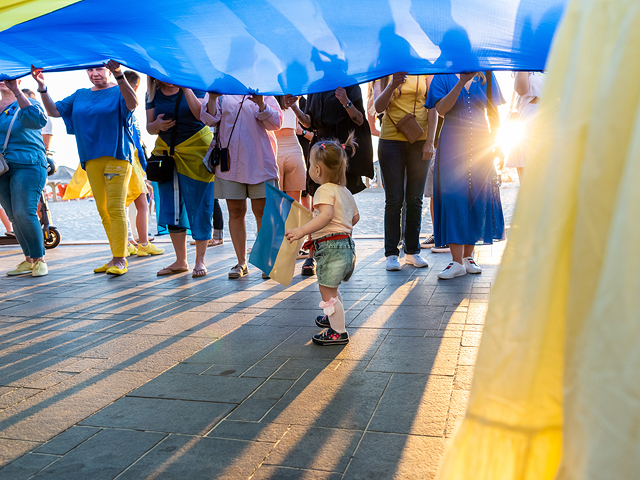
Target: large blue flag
{"x": 272, "y": 253}
{"x": 277, "y": 46}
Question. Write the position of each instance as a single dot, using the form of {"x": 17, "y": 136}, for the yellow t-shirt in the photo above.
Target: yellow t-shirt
{"x": 344, "y": 209}
{"x": 402, "y": 104}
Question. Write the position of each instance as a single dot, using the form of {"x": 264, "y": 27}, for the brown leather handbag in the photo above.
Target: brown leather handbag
{"x": 408, "y": 125}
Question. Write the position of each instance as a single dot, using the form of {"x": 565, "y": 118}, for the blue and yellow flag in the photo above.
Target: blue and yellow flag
{"x": 272, "y": 253}
{"x": 237, "y": 50}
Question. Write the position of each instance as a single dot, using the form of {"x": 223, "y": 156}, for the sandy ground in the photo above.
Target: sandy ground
{"x": 78, "y": 220}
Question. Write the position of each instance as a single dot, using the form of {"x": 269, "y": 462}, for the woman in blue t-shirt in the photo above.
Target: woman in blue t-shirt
{"x": 21, "y": 186}
{"x": 187, "y": 200}
{"x": 101, "y": 120}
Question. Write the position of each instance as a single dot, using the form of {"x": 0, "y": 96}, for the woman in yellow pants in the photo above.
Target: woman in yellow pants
{"x": 99, "y": 117}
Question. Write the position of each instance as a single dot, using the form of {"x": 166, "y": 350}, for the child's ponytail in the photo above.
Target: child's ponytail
{"x": 350, "y": 145}
{"x": 334, "y": 155}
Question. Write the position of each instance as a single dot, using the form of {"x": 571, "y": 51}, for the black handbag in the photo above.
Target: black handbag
{"x": 219, "y": 155}
{"x": 160, "y": 168}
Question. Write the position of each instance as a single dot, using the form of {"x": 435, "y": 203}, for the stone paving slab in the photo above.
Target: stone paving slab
{"x": 173, "y": 377}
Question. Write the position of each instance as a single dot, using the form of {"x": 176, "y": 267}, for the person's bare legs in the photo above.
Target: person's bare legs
{"x": 142, "y": 218}
{"x": 179, "y": 240}
{"x": 257, "y": 207}
{"x": 456, "y": 252}
{"x": 468, "y": 251}
{"x": 295, "y": 194}
{"x": 238, "y": 228}
{"x": 5, "y": 220}
{"x": 201, "y": 250}
{"x": 431, "y": 210}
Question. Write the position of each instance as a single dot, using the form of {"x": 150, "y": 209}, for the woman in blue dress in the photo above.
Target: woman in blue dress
{"x": 467, "y": 208}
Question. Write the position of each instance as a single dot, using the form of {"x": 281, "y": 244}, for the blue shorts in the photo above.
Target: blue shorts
{"x": 336, "y": 260}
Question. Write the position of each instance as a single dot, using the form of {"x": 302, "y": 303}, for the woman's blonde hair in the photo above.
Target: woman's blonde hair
{"x": 334, "y": 156}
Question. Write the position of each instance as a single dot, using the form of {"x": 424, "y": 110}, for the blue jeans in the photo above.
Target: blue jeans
{"x": 400, "y": 160}
{"x": 20, "y": 190}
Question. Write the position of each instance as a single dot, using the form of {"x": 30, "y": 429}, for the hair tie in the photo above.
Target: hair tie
{"x": 322, "y": 145}
{"x": 343, "y": 147}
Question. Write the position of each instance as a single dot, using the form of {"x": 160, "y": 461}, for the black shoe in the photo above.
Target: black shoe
{"x": 323, "y": 321}
{"x": 331, "y": 337}
{"x": 309, "y": 267}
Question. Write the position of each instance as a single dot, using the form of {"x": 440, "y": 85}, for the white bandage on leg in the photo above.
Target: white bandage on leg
{"x": 329, "y": 307}
{"x": 335, "y": 311}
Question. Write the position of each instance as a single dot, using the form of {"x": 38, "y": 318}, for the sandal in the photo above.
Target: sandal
{"x": 214, "y": 242}
{"x": 170, "y": 271}
{"x": 199, "y": 272}
{"x": 309, "y": 267}
{"x": 302, "y": 254}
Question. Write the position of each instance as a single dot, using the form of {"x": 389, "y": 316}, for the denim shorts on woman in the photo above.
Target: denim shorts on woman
{"x": 336, "y": 260}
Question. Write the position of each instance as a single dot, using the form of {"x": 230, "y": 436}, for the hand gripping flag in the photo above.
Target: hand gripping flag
{"x": 272, "y": 253}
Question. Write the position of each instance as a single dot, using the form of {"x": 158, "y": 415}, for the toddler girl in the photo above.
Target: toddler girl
{"x": 334, "y": 215}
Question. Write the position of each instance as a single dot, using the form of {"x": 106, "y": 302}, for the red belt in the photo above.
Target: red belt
{"x": 311, "y": 244}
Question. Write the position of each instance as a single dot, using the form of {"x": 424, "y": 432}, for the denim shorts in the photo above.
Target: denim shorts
{"x": 336, "y": 260}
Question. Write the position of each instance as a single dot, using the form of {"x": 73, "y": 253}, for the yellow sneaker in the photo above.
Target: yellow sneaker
{"x": 101, "y": 269}
{"x": 39, "y": 269}
{"x": 22, "y": 268}
{"x": 113, "y": 270}
{"x": 131, "y": 250}
{"x": 149, "y": 249}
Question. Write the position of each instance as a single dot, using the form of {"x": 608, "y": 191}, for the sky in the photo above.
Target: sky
{"x": 63, "y": 84}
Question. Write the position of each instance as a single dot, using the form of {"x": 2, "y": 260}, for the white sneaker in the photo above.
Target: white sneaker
{"x": 454, "y": 269}
{"x": 393, "y": 264}
{"x": 470, "y": 265}
{"x": 416, "y": 260}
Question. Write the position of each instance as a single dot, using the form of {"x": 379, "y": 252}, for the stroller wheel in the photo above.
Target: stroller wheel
{"x": 54, "y": 238}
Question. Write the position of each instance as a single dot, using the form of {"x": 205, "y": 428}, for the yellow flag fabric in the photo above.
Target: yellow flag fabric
{"x": 79, "y": 186}
{"x": 13, "y": 12}
{"x": 557, "y": 381}
{"x": 189, "y": 154}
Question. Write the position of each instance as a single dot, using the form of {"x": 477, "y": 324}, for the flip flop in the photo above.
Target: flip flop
{"x": 170, "y": 271}
{"x": 199, "y": 272}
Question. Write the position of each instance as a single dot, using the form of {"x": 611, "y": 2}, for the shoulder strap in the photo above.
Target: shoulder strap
{"x": 236, "y": 120}
{"x": 6, "y": 140}
{"x": 174, "y": 134}
{"x": 415, "y": 101}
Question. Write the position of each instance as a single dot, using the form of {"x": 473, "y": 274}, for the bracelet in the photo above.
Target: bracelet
{"x": 348, "y": 105}
{"x": 43, "y": 91}
{"x": 304, "y": 132}
{"x": 119, "y": 77}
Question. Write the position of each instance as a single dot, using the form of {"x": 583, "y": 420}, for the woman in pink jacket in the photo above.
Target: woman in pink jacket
{"x": 245, "y": 126}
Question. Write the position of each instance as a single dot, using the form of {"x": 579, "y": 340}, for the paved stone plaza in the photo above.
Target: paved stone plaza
{"x": 141, "y": 376}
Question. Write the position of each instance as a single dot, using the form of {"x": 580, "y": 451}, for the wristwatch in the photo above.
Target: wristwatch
{"x": 43, "y": 91}
{"x": 119, "y": 77}
{"x": 348, "y": 105}
{"x": 304, "y": 132}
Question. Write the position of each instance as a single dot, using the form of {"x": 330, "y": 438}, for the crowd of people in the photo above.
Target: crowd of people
{"x": 435, "y": 142}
